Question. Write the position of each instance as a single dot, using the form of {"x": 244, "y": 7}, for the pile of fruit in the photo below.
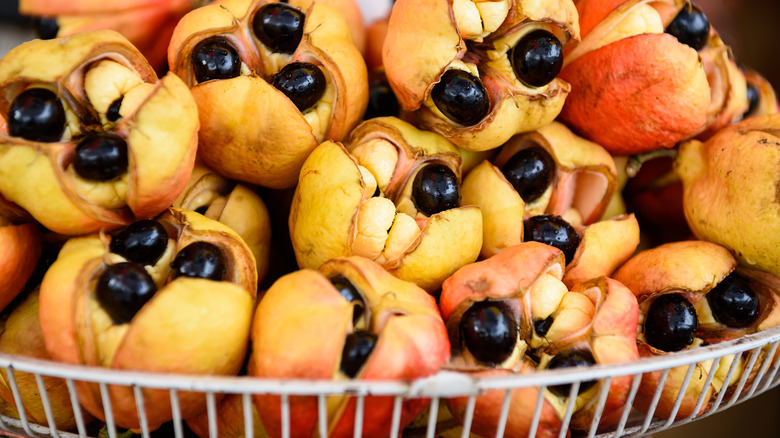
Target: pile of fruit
{"x": 490, "y": 187}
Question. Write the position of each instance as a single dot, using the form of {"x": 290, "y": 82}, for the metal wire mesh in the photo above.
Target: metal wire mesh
{"x": 758, "y": 373}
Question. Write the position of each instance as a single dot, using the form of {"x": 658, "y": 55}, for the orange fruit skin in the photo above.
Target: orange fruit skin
{"x": 637, "y": 94}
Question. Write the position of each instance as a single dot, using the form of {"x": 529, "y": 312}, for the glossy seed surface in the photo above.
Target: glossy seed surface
{"x": 381, "y": 101}
{"x": 435, "y": 189}
{"x": 46, "y": 28}
{"x": 733, "y": 302}
{"x": 542, "y": 326}
{"x": 489, "y": 331}
{"x": 554, "y": 231}
{"x": 752, "y": 97}
{"x": 670, "y": 323}
{"x": 530, "y": 171}
{"x": 37, "y": 114}
{"x": 215, "y": 58}
{"x": 279, "y": 26}
{"x": 570, "y": 359}
{"x": 112, "y": 114}
{"x": 357, "y": 347}
{"x": 101, "y": 157}
{"x": 122, "y": 289}
{"x": 690, "y": 27}
{"x": 200, "y": 260}
{"x": 461, "y": 97}
{"x": 350, "y": 293}
{"x": 142, "y": 242}
{"x": 303, "y": 83}
{"x": 537, "y": 58}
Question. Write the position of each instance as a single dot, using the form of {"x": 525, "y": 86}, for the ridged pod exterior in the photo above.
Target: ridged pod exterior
{"x": 451, "y": 41}
{"x": 336, "y": 212}
{"x": 251, "y": 131}
{"x": 692, "y": 269}
{"x": 730, "y": 190}
{"x": 584, "y": 183}
{"x": 598, "y": 317}
{"x": 147, "y": 24}
{"x": 638, "y": 93}
{"x": 189, "y": 326}
{"x": 302, "y": 335}
{"x": 234, "y": 205}
{"x": 88, "y": 71}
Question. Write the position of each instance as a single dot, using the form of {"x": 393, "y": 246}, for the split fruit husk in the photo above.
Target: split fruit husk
{"x": 596, "y": 318}
{"x": 147, "y": 24}
{"x": 301, "y": 331}
{"x": 250, "y": 130}
{"x": 89, "y": 73}
{"x": 189, "y": 326}
{"x": 634, "y": 88}
{"x": 360, "y": 203}
{"x": 478, "y": 38}
{"x": 692, "y": 270}
{"x": 730, "y": 190}
{"x": 234, "y": 205}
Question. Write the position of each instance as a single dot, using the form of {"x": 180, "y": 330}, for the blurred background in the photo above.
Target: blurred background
{"x": 749, "y": 27}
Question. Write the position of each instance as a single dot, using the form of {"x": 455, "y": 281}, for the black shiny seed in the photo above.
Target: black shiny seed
{"x": 215, "y": 58}
{"x": 100, "y": 157}
{"x": 37, "y": 114}
{"x": 537, "y": 58}
{"x": 351, "y": 294}
{"x": 542, "y": 326}
{"x": 571, "y": 359}
{"x": 142, "y": 242}
{"x": 202, "y": 209}
{"x": 733, "y": 302}
{"x": 435, "y": 189}
{"x": 461, "y": 97}
{"x": 670, "y": 323}
{"x": 753, "y": 97}
{"x": 113, "y": 110}
{"x": 489, "y": 331}
{"x": 199, "y": 260}
{"x": 357, "y": 347}
{"x": 530, "y": 171}
{"x": 303, "y": 83}
{"x": 122, "y": 289}
{"x": 279, "y": 26}
{"x": 690, "y": 27}
{"x": 554, "y": 231}
{"x": 381, "y": 101}
{"x": 46, "y": 28}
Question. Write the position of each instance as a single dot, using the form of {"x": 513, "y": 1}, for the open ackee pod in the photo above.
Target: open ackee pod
{"x": 546, "y": 326}
{"x": 92, "y": 139}
{"x": 349, "y": 320}
{"x": 394, "y": 198}
{"x": 148, "y": 24}
{"x": 762, "y": 99}
{"x": 690, "y": 295}
{"x": 266, "y": 100}
{"x": 187, "y": 307}
{"x": 730, "y": 185}
{"x": 664, "y": 100}
{"x": 487, "y": 70}
{"x": 234, "y": 205}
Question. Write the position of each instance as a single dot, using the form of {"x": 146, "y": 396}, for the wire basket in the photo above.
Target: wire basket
{"x": 757, "y": 377}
